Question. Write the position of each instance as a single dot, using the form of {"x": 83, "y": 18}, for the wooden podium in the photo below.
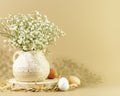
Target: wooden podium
{"x": 48, "y": 84}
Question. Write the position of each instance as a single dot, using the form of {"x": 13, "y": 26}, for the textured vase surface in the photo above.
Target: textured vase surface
{"x": 30, "y": 66}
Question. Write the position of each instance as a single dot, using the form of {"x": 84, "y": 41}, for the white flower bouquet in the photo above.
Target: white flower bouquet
{"x": 29, "y": 32}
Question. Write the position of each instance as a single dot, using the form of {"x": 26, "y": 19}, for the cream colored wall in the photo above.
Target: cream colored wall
{"x": 92, "y": 28}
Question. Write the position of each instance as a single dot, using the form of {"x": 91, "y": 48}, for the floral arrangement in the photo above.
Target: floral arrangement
{"x": 29, "y": 32}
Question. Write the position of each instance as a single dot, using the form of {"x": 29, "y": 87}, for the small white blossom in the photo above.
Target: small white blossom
{"x": 30, "y": 32}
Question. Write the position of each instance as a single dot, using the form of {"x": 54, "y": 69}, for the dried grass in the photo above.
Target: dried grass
{"x": 5, "y": 61}
{"x": 67, "y": 67}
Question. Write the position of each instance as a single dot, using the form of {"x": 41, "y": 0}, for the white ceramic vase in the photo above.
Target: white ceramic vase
{"x": 30, "y": 66}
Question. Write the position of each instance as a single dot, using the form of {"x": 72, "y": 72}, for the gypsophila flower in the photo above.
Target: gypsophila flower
{"x": 30, "y": 32}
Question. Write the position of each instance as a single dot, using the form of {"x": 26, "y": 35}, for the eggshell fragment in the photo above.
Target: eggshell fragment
{"x": 53, "y": 74}
{"x": 74, "y": 80}
{"x": 63, "y": 84}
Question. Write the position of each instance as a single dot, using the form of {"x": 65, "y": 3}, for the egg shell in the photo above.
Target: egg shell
{"x": 63, "y": 84}
{"x": 73, "y": 85}
{"x": 53, "y": 74}
{"x": 74, "y": 80}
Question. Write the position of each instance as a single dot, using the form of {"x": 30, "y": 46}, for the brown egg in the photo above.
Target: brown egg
{"x": 53, "y": 74}
{"x": 74, "y": 80}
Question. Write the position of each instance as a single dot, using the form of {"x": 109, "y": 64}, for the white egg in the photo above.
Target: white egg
{"x": 63, "y": 84}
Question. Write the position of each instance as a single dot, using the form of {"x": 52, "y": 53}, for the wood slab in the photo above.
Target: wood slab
{"x": 47, "y": 84}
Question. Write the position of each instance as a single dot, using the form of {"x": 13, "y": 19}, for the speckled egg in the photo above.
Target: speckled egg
{"x": 74, "y": 80}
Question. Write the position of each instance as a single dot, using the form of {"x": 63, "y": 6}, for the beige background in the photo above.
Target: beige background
{"x": 92, "y": 28}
